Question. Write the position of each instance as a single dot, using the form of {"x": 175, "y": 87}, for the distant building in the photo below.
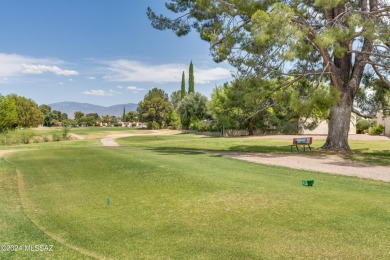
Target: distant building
{"x": 322, "y": 128}
{"x": 385, "y": 122}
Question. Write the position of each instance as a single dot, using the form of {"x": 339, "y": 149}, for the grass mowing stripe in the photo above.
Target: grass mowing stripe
{"x": 170, "y": 204}
{"x": 17, "y": 229}
{"x": 29, "y": 207}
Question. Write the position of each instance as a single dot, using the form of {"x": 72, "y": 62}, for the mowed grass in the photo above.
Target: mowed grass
{"x": 168, "y": 201}
{"x": 16, "y": 229}
{"x": 377, "y": 152}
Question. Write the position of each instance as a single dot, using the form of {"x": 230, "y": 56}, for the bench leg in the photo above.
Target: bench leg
{"x": 297, "y": 148}
{"x": 309, "y": 147}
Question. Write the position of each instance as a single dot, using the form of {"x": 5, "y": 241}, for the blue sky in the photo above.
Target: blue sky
{"x": 96, "y": 51}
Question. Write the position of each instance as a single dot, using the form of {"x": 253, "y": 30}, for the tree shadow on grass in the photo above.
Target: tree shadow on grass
{"x": 238, "y": 148}
{"x": 270, "y": 150}
{"x": 355, "y": 159}
{"x": 177, "y": 150}
{"x": 375, "y": 157}
{"x": 263, "y": 149}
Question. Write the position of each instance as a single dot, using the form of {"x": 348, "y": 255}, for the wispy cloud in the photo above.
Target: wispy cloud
{"x": 204, "y": 76}
{"x": 91, "y": 78}
{"x": 40, "y": 69}
{"x": 14, "y": 65}
{"x": 135, "y": 71}
{"x": 134, "y": 88}
{"x": 101, "y": 92}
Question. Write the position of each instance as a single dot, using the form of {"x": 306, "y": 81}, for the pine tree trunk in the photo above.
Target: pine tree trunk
{"x": 339, "y": 124}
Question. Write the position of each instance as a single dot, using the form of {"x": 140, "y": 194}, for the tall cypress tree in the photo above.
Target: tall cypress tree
{"x": 191, "y": 83}
{"x": 124, "y": 114}
{"x": 183, "y": 86}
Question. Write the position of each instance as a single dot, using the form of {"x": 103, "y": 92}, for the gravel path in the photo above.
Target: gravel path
{"x": 110, "y": 140}
{"x": 77, "y": 137}
{"x": 325, "y": 164}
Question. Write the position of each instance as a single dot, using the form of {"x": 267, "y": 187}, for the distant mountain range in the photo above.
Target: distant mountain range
{"x": 71, "y": 107}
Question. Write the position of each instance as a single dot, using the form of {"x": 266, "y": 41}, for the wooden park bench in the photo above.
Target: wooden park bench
{"x": 301, "y": 141}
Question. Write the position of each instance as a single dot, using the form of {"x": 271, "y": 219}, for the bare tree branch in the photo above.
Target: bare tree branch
{"x": 383, "y": 10}
{"x": 370, "y": 53}
{"x": 378, "y": 65}
{"x": 357, "y": 112}
{"x": 379, "y": 74}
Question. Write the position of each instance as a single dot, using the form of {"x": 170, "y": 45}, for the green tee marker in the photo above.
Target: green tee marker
{"x": 108, "y": 201}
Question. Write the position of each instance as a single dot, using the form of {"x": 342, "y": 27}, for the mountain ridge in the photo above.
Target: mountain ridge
{"x": 69, "y": 107}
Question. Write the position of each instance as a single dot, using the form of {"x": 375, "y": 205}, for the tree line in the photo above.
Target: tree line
{"x": 249, "y": 103}
{"x": 21, "y": 112}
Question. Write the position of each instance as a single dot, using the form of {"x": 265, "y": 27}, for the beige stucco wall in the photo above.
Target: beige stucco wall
{"x": 385, "y": 122}
{"x": 322, "y": 128}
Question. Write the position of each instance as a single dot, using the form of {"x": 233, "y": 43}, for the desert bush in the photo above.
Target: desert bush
{"x": 65, "y": 132}
{"x": 205, "y": 126}
{"x": 25, "y": 136}
{"x": 153, "y": 125}
{"x": 362, "y": 126}
{"x": 377, "y": 130}
{"x": 56, "y": 138}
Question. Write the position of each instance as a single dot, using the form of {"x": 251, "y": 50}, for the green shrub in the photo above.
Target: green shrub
{"x": 362, "y": 125}
{"x": 377, "y": 130}
{"x": 153, "y": 125}
{"x": 16, "y": 137}
{"x": 205, "y": 126}
{"x": 65, "y": 131}
{"x": 56, "y": 138}
{"x": 288, "y": 128}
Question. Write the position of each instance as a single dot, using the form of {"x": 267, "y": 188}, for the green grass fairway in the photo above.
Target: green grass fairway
{"x": 377, "y": 152}
{"x": 167, "y": 202}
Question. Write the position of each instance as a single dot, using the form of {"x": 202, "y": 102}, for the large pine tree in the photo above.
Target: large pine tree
{"x": 334, "y": 42}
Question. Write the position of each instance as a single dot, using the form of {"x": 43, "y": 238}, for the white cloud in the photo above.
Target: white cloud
{"x": 134, "y": 88}
{"x": 114, "y": 92}
{"x": 204, "y": 76}
{"x": 91, "y": 78}
{"x": 100, "y": 92}
{"x": 40, "y": 69}
{"x": 95, "y": 92}
{"x": 135, "y": 71}
{"x": 14, "y": 65}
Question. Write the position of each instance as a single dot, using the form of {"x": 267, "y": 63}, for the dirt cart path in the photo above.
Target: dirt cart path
{"x": 110, "y": 140}
{"x": 326, "y": 164}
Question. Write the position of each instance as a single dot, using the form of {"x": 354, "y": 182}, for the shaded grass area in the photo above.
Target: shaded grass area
{"x": 376, "y": 152}
{"x": 170, "y": 203}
